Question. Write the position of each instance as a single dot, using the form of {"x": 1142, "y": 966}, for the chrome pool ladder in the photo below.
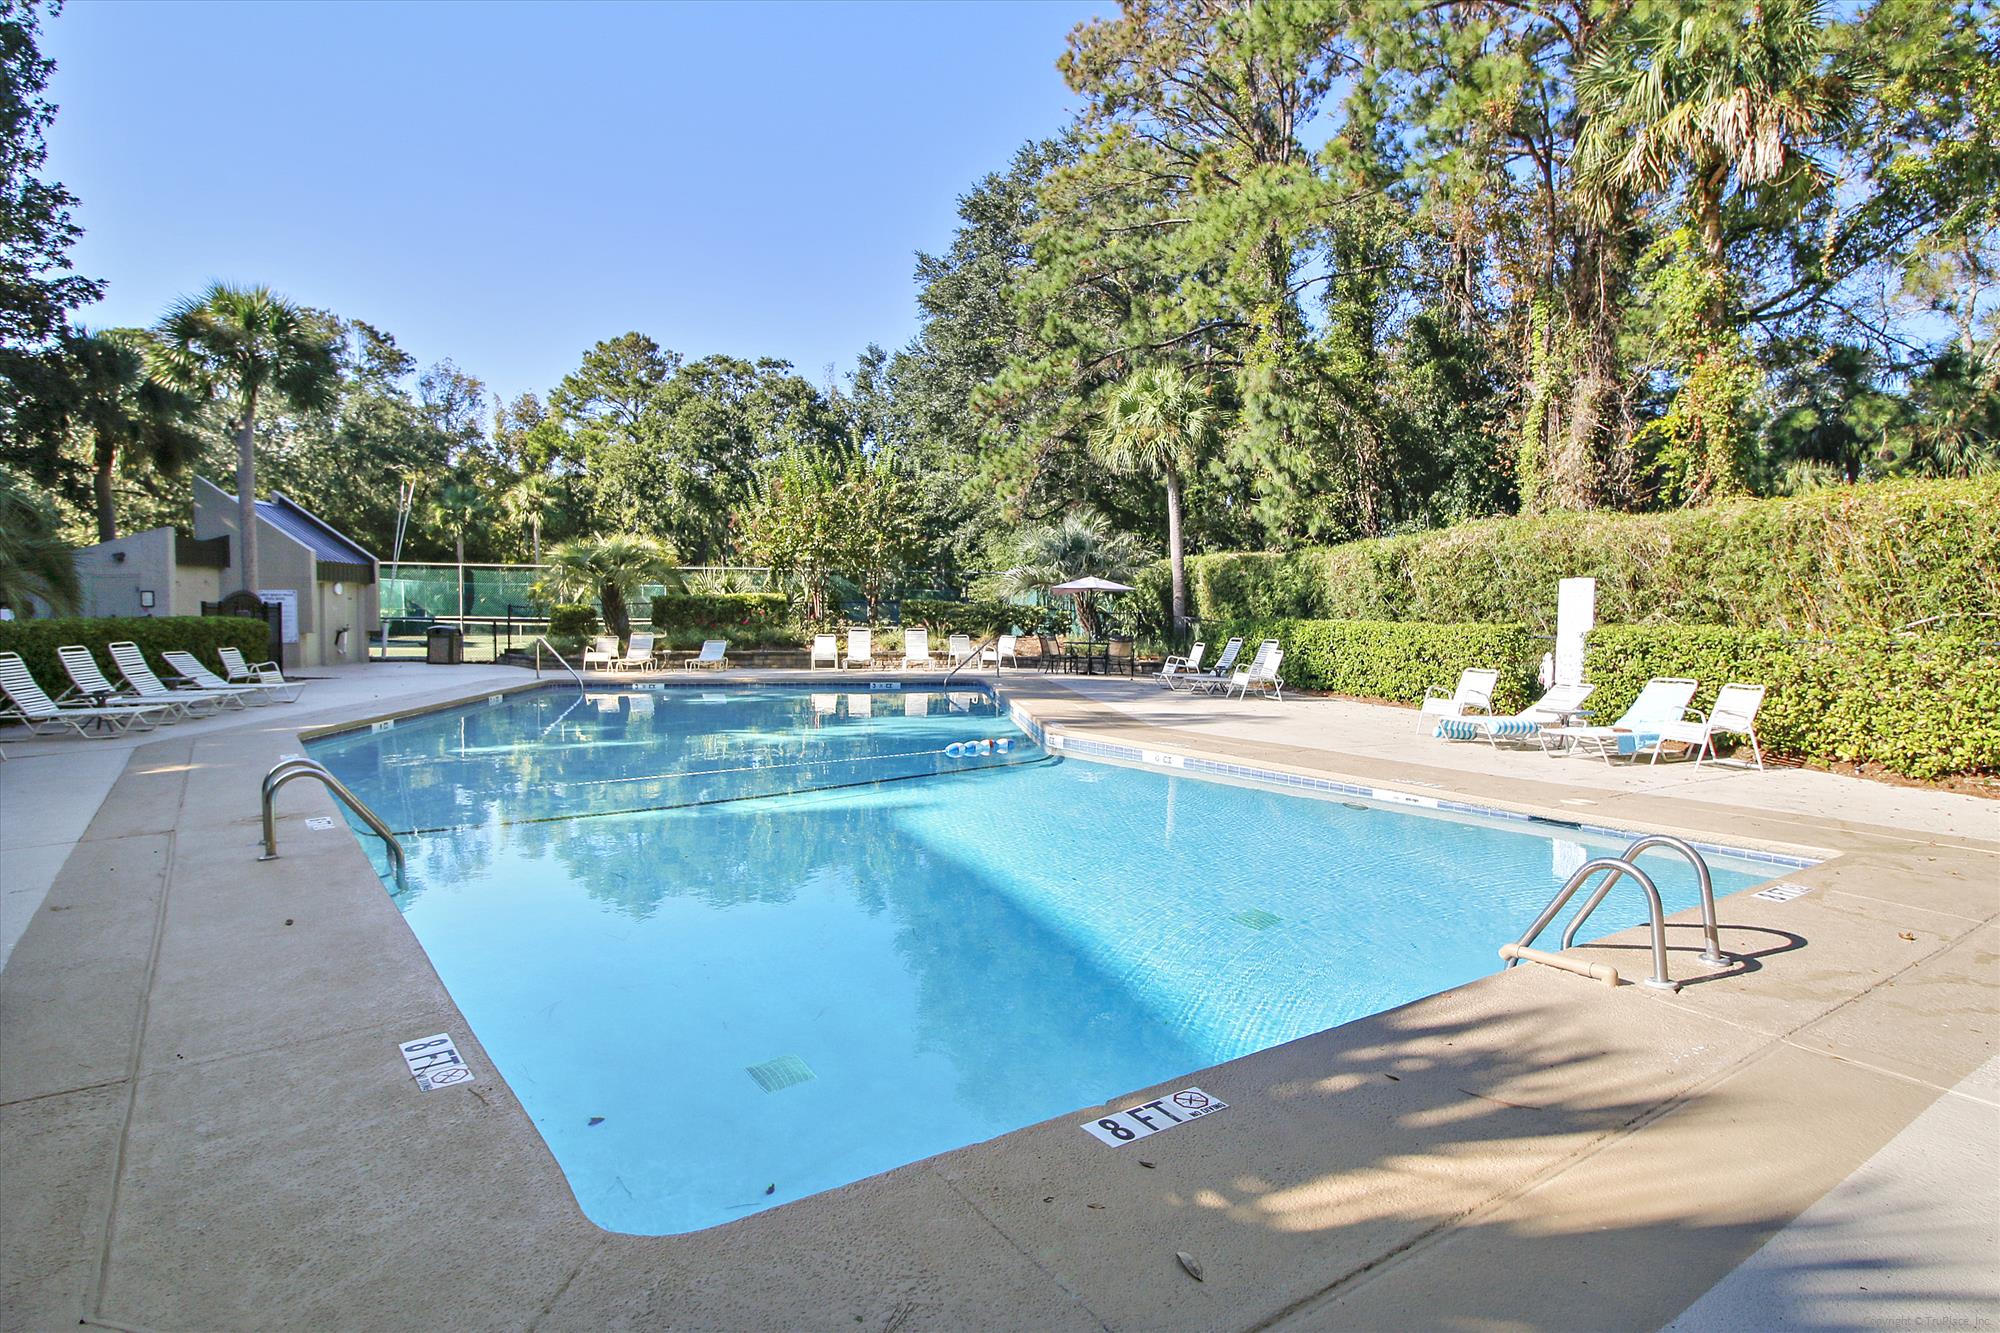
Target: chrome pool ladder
{"x": 541, "y": 643}
{"x": 1614, "y": 868}
{"x": 287, "y": 769}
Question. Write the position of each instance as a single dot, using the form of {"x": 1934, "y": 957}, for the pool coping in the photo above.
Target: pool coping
{"x": 161, "y": 891}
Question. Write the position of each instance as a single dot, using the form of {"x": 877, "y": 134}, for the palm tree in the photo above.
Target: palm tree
{"x": 609, "y": 570}
{"x": 1078, "y": 545}
{"x": 527, "y": 501}
{"x": 35, "y": 562}
{"x": 1706, "y": 90}
{"x": 459, "y": 504}
{"x": 246, "y": 345}
{"x": 131, "y": 417}
{"x": 1159, "y": 423}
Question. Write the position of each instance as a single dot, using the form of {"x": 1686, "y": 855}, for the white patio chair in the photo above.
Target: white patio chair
{"x": 638, "y": 653}
{"x": 239, "y": 672}
{"x": 1002, "y": 650}
{"x": 1261, "y": 674}
{"x": 1215, "y": 677}
{"x": 603, "y": 653}
{"x": 1662, "y": 703}
{"x": 88, "y": 685}
{"x": 1734, "y": 714}
{"x": 1473, "y": 694}
{"x": 190, "y": 669}
{"x": 1177, "y": 665}
{"x": 916, "y": 648}
{"x": 140, "y": 680}
{"x": 826, "y": 648}
{"x": 861, "y": 648}
{"x": 1557, "y": 706}
{"x": 714, "y": 653}
{"x": 959, "y": 647}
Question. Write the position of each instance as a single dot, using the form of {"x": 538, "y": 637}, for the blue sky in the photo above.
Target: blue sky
{"x": 506, "y": 184}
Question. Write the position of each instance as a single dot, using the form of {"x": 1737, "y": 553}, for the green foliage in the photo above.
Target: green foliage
{"x": 37, "y": 640}
{"x": 1924, "y": 705}
{"x": 721, "y": 612}
{"x": 978, "y": 618}
{"x": 572, "y": 620}
{"x": 35, "y": 562}
{"x": 1396, "y": 661}
{"x": 610, "y": 569}
{"x": 1881, "y": 556}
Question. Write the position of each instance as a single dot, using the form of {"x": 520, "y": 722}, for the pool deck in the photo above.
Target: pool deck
{"x": 205, "y": 1124}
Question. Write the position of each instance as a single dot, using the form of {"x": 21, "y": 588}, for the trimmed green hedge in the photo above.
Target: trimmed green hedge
{"x": 1375, "y": 659}
{"x": 1922, "y": 705}
{"x": 1882, "y": 556}
{"x": 572, "y": 620}
{"x": 37, "y": 640}
{"x": 721, "y": 611}
{"x": 980, "y": 617}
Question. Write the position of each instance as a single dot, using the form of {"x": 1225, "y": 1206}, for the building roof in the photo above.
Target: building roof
{"x": 325, "y": 544}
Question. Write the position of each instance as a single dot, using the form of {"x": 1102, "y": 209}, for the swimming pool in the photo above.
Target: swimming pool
{"x": 715, "y": 992}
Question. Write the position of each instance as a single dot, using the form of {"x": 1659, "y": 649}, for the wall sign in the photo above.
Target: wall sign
{"x": 288, "y": 611}
{"x": 434, "y": 1062}
{"x": 1149, "y": 1118}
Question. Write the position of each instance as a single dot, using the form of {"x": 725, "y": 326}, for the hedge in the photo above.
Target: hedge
{"x": 980, "y": 618}
{"x": 572, "y": 620}
{"x": 722, "y": 611}
{"x": 1375, "y": 659}
{"x": 37, "y": 640}
{"x": 1882, "y": 556}
{"x": 1921, "y": 705}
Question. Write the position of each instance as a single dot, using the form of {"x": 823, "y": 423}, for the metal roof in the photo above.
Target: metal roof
{"x": 309, "y": 532}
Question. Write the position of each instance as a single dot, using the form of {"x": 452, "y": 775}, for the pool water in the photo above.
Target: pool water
{"x": 712, "y": 999}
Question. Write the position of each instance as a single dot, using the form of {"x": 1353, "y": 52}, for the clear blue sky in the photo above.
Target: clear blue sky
{"x": 506, "y": 184}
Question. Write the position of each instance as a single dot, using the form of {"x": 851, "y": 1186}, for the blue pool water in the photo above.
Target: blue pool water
{"x": 708, "y": 987}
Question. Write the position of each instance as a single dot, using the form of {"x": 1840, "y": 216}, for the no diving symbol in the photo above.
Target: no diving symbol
{"x": 444, "y": 1078}
{"x": 1190, "y": 1099}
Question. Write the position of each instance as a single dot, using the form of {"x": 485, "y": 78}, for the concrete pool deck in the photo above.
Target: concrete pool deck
{"x": 205, "y": 1122}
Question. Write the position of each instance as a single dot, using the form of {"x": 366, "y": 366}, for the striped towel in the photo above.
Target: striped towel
{"x": 1477, "y": 729}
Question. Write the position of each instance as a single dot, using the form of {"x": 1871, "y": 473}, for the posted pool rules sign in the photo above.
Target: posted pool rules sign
{"x": 1148, "y": 1118}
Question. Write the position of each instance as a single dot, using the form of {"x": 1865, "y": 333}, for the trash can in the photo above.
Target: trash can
{"x": 444, "y": 645}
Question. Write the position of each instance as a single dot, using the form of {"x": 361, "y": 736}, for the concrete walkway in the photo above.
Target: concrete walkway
{"x": 204, "y": 1123}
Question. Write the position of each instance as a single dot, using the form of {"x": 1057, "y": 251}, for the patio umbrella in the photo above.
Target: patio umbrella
{"x": 1085, "y": 591}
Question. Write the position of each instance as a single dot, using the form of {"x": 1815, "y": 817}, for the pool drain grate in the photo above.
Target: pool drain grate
{"x": 1257, "y": 919}
{"x": 786, "y": 1071}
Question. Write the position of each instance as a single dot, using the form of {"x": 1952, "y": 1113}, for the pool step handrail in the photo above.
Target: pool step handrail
{"x": 1615, "y": 866}
{"x": 285, "y": 770}
{"x": 990, "y": 641}
{"x": 1713, "y": 953}
{"x": 541, "y": 643}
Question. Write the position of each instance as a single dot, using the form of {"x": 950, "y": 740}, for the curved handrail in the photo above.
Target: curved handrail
{"x": 541, "y": 643}
{"x": 1713, "y": 954}
{"x": 288, "y": 769}
{"x": 1619, "y": 866}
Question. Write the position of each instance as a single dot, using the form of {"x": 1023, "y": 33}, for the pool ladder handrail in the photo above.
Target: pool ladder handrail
{"x": 541, "y": 643}
{"x": 990, "y": 641}
{"x": 1614, "y": 868}
{"x": 285, "y": 770}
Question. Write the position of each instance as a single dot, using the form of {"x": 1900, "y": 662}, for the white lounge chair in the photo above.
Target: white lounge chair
{"x": 1215, "y": 677}
{"x": 88, "y": 685}
{"x": 638, "y": 653}
{"x": 916, "y": 648}
{"x": 139, "y": 678}
{"x": 826, "y": 648}
{"x": 861, "y": 648}
{"x": 603, "y": 653}
{"x": 959, "y": 648}
{"x": 1003, "y": 650}
{"x": 190, "y": 669}
{"x": 714, "y": 653}
{"x": 1261, "y": 674}
{"x": 1662, "y": 703}
{"x": 1177, "y": 665}
{"x": 1734, "y": 714}
{"x": 1557, "y": 706}
{"x": 29, "y": 704}
{"x": 1473, "y": 694}
{"x": 239, "y": 672}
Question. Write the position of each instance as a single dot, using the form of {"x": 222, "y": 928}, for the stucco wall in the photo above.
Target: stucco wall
{"x": 111, "y": 585}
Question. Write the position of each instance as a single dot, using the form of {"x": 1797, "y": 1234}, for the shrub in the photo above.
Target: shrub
{"x": 1377, "y": 659}
{"x": 37, "y": 640}
{"x": 979, "y": 618}
{"x": 1922, "y": 705}
{"x": 1882, "y": 556}
{"x": 727, "y": 615}
{"x": 572, "y": 620}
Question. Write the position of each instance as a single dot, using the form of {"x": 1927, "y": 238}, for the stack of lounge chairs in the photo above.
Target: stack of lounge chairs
{"x": 93, "y": 706}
